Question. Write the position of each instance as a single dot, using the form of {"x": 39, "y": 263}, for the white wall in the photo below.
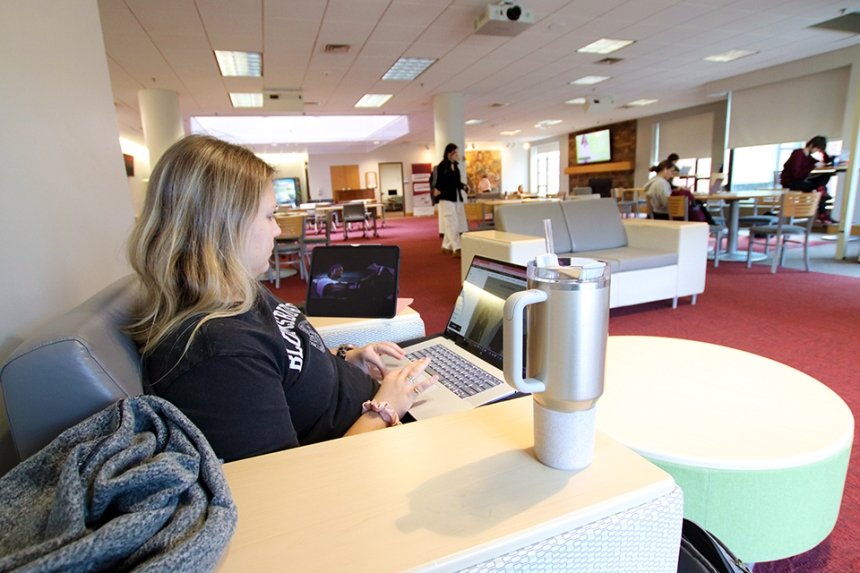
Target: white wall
{"x": 66, "y": 209}
{"x": 406, "y": 153}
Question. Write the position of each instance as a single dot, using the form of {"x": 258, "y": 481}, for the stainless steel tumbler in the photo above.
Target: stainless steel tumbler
{"x": 566, "y": 309}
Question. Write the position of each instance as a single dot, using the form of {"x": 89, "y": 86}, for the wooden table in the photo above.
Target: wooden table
{"x": 448, "y": 493}
{"x": 733, "y": 198}
{"x": 760, "y": 449}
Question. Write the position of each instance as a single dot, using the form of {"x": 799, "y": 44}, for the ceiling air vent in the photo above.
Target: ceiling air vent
{"x": 336, "y": 48}
{"x": 609, "y": 61}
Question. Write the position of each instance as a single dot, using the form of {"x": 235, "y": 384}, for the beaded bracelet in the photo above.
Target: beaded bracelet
{"x": 385, "y": 411}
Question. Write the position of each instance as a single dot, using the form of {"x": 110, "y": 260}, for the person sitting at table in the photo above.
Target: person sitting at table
{"x": 248, "y": 369}
{"x": 484, "y": 185}
{"x": 797, "y": 173}
{"x": 658, "y": 189}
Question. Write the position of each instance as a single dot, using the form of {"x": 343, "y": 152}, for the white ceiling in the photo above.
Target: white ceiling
{"x": 169, "y": 44}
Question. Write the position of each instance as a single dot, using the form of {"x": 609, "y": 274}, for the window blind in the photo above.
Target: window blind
{"x": 790, "y": 110}
{"x": 687, "y": 136}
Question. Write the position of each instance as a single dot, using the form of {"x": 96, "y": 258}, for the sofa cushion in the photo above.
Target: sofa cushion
{"x": 527, "y": 219}
{"x": 594, "y": 225}
{"x": 624, "y": 259}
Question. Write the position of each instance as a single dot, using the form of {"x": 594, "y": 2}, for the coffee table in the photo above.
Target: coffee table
{"x": 760, "y": 449}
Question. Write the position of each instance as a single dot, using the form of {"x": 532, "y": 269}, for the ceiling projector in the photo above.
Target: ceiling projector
{"x": 504, "y": 19}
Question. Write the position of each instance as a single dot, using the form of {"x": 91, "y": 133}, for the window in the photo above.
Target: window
{"x": 546, "y": 169}
{"x": 758, "y": 167}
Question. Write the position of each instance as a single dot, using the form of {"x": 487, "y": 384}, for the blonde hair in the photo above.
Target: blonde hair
{"x": 186, "y": 246}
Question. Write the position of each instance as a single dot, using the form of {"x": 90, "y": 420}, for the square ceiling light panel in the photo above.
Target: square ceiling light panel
{"x": 256, "y": 130}
{"x": 243, "y": 100}
{"x": 604, "y": 46}
{"x": 240, "y": 64}
{"x": 373, "y": 100}
{"x": 408, "y": 68}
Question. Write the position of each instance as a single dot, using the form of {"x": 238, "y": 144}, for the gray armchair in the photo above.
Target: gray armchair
{"x": 70, "y": 369}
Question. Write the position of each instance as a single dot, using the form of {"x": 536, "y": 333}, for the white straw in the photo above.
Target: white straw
{"x": 547, "y": 232}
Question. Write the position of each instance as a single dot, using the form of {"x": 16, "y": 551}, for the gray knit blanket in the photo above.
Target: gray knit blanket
{"x": 135, "y": 487}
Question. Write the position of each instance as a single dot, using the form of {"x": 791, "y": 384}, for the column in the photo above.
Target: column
{"x": 847, "y": 200}
{"x": 162, "y": 122}
{"x": 449, "y": 126}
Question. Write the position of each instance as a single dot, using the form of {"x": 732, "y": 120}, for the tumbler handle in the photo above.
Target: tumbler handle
{"x": 512, "y": 334}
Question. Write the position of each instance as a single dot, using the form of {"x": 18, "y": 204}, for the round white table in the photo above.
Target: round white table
{"x": 759, "y": 449}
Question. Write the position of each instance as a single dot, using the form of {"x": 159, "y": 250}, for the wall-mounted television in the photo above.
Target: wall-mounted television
{"x": 593, "y": 147}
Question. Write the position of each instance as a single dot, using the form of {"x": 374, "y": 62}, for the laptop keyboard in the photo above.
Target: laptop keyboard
{"x": 455, "y": 372}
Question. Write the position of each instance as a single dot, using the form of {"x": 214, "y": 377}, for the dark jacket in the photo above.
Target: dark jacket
{"x": 448, "y": 181}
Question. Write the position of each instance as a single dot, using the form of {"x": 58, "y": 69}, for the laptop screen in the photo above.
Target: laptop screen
{"x": 476, "y": 322}
{"x": 353, "y": 281}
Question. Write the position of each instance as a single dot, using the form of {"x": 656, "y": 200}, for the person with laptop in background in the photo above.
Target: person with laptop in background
{"x": 447, "y": 189}
{"x": 797, "y": 173}
{"x": 248, "y": 369}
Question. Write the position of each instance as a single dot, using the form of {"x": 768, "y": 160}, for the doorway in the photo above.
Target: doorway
{"x": 391, "y": 185}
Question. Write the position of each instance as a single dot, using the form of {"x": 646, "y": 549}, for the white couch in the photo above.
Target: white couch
{"x": 649, "y": 260}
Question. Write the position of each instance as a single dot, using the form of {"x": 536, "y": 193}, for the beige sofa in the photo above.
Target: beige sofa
{"x": 649, "y": 260}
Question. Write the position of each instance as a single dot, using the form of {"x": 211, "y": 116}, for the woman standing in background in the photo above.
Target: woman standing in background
{"x": 447, "y": 189}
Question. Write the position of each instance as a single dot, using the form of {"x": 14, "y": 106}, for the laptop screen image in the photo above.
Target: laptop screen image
{"x": 476, "y": 321}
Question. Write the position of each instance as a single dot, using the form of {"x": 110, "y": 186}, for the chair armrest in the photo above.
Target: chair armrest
{"x": 688, "y": 239}
{"x": 499, "y": 245}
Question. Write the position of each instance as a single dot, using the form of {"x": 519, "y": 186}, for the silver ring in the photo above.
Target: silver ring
{"x": 417, "y": 390}
{"x": 410, "y": 379}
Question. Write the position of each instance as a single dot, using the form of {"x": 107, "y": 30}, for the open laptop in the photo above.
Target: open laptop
{"x": 353, "y": 281}
{"x": 472, "y": 340}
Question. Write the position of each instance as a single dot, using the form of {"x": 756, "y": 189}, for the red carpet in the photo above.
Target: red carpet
{"x": 806, "y": 320}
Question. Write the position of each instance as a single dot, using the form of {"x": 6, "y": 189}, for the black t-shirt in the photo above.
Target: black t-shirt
{"x": 259, "y": 382}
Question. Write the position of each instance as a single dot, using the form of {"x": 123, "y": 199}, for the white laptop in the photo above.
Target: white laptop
{"x": 472, "y": 338}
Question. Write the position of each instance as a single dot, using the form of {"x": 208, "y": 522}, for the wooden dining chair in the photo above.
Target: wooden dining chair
{"x": 289, "y": 249}
{"x": 797, "y": 213}
{"x": 475, "y": 215}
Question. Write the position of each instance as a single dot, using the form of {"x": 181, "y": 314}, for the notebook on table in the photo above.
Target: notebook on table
{"x": 468, "y": 355}
{"x": 353, "y": 281}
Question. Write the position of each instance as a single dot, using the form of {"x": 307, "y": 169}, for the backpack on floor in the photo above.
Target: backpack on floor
{"x": 703, "y": 552}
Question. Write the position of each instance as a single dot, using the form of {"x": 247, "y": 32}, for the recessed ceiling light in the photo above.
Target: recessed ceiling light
{"x": 302, "y": 129}
{"x": 408, "y": 68}
{"x": 241, "y": 64}
{"x": 373, "y": 100}
{"x": 589, "y": 80}
{"x": 547, "y": 123}
{"x": 576, "y": 101}
{"x": 474, "y": 121}
{"x": 730, "y": 56}
{"x": 641, "y": 102}
{"x": 246, "y": 99}
{"x": 604, "y": 46}
{"x": 509, "y": 132}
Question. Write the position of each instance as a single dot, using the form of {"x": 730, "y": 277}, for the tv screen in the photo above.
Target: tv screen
{"x": 593, "y": 147}
{"x": 287, "y": 191}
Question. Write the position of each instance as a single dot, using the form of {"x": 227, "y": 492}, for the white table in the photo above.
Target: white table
{"x": 760, "y": 449}
{"x": 453, "y": 493}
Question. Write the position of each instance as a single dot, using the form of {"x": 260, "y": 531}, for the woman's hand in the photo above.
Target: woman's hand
{"x": 402, "y": 386}
{"x": 370, "y": 357}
